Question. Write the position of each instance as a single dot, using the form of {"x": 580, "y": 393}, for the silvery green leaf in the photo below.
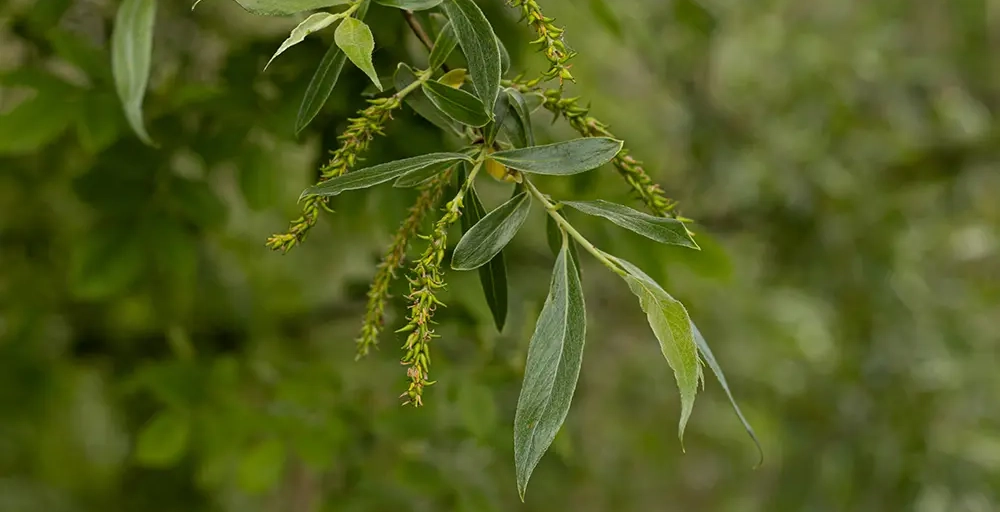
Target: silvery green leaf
{"x": 313, "y": 23}
{"x": 131, "y": 58}
{"x": 370, "y": 176}
{"x": 491, "y": 234}
{"x": 561, "y": 158}
{"x": 481, "y": 48}
{"x": 662, "y": 229}
{"x": 555, "y": 354}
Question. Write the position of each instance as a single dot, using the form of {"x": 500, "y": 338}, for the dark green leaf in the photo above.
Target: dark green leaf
{"x": 410, "y": 5}
{"x": 421, "y": 176}
{"x": 418, "y": 101}
{"x": 106, "y": 262}
{"x": 163, "y": 441}
{"x": 456, "y": 103}
{"x": 499, "y": 116}
{"x": 517, "y": 127}
{"x": 662, "y": 229}
{"x": 491, "y": 234}
{"x": 324, "y": 79}
{"x": 481, "y": 48}
{"x": 285, "y": 7}
{"x": 131, "y": 56}
{"x": 709, "y": 357}
{"x": 370, "y": 176}
{"x": 443, "y": 46}
{"x": 555, "y": 355}
{"x": 358, "y": 43}
{"x": 561, "y": 158}
{"x": 493, "y": 275}
{"x": 672, "y": 326}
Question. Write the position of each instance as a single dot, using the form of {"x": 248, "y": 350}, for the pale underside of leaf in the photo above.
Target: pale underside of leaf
{"x": 313, "y": 23}
{"x": 131, "y": 58}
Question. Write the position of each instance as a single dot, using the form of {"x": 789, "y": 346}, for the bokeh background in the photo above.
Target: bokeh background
{"x": 840, "y": 157}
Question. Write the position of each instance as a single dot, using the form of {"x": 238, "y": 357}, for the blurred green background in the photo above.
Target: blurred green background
{"x": 840, "y": 157}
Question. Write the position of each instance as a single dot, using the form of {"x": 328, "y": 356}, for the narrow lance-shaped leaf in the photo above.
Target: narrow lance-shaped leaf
{"x": 672, "y": 326}
{"x": 456, "y": 103}
{"x": 493, "y": 275}
{"x": 706, "y": 353}
{"x": 324, "y": 80}
{"x": 371, "y": 176}
{"x": 357, "y": 42}
{"x": 285, "y": 7}
{"x": 443, "y": 46}
{"x": 410, "y": 5}
{"x": 131, "y": 58}
{"x": 500, "y": 112}
{"x": 555, "y": 355}
{"x": 313, "y": 23}
{"x": 491, "y": 234}
{"x": 517, "y": 127}
{"x": 421, "y": 176}
{"x": 481, "y": 48}
{"x": 662, "y": 229}
{"x": 418, "y": 101}
{"x": 554, "y": 237}
{"x": 561, "y": 158}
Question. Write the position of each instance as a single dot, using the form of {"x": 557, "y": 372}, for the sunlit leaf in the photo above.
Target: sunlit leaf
{"x": 324, "y": 80}
{"x": 131, "y": 56}
{"x": 355, "y": 39}
{"x": 672, "y": 326}
{"x": 163, "y": 441}
{"x": 313, "y": 23}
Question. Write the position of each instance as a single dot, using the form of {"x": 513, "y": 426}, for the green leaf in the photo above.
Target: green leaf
{"x": 709, "y": 357}
{"x": 418, "y": 101}
{"x": 493, "y": 275}
{"x": 491, "y": 234}
{"x": 285, "y": 7}
{"x": 356, "y": 40}
{"x": 499, "y": 117}
{"x": 421, "y": 176}
{"x": 371, "y": 176}
{"x": 554, "y": 238}
{"x": 517, "y": 127}
{"x": 454, "y": 78}
{"x": 37, "y": 122}
{"x": 163, "y": 441}
{"x": 481, "y": 48}
{"x": 662, "y": 229}
{"x": 672, "y": 326}
{"x": 561, "y": 158}
{"x": 456, "y": 104}
{"x": 106, "y": 262}
{"x": 131, "y": 56}
{"x": 443, "y": 46}
{"x": 324, "y": 79}
{"x": 555, "y": 355}
{"x": 98, "y": 125}
{"x": 410, "y": 5}
{"x": 262, "y": 466}
{"x": 313, "y": 23}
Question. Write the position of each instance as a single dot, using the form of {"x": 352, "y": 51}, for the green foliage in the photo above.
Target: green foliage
{"x": 152, "y": 357}
{"x": 457, "y": 104}
{"x": 561, "y": 158}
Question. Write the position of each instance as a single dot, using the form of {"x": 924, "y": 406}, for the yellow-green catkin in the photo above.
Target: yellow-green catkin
{"x": 361, "y": 130}
{"x": 550, "y": 40}
{"x": 378, "y": 292}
